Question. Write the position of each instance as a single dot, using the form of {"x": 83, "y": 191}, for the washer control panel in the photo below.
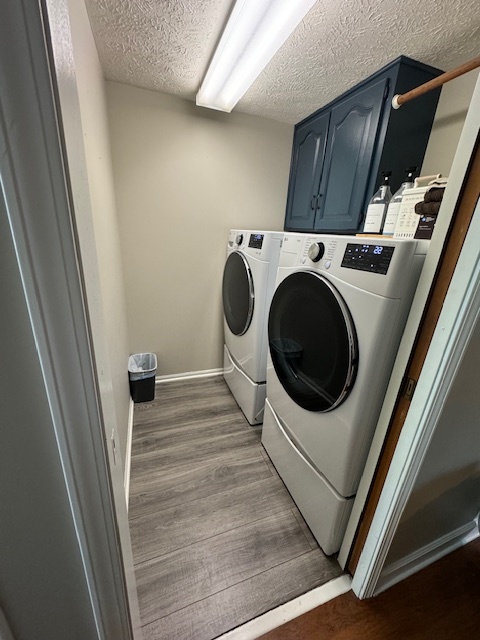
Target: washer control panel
{"x": 263, "y": 245}
{"x": 256, "y": 240}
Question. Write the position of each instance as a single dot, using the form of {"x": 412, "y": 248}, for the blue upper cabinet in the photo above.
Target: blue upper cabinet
{"x": 307, "y": 163}
{"x": 340, "y": 151}
{"x": 353, "y": 130}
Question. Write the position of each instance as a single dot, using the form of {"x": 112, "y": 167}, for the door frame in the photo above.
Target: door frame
{"x": 459, "y": 169}
{"x": 446, "y": 349}
{"x": 456, "y": 237}
{"x": 49, "y": 252}
{"x": 62, "y": 294}
{"x": 459, "y": 316}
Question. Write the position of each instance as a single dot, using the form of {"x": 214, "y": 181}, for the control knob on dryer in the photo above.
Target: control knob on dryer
{"x": 316, "y": 251}
{"x": 239, "y": 238}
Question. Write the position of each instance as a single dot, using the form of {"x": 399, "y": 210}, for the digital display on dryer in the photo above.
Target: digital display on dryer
{"x": 374, "y": 258}
{"x": 256, "y": 240}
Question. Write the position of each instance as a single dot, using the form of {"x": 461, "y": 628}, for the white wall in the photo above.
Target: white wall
{"x": 447, "y": 126}
{"x": 92, "y": 97}
{"x": 184, "y": 176}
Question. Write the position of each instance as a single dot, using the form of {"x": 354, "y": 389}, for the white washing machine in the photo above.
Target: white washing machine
{"x": 248, "y": 284}
{"x": 334, "y": 327}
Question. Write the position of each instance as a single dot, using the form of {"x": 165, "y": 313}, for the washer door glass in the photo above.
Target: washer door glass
{"x": 312, "y": 341}
{"x": 238, "y": 295}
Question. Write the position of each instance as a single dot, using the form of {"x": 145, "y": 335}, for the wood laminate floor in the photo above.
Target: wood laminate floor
{"x": 216, "y": 537}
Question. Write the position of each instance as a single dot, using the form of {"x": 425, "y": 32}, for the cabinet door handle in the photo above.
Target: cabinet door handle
{"x": 318, "y": 201}
{"x": 313, "y": 202}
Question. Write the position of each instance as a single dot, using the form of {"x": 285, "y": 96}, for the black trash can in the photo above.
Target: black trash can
{"x": 141, "y": 373}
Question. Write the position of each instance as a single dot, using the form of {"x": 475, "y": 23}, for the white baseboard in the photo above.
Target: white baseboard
{"x": 128, "y": 454}
{"x": 425, "y": 556}
{"x": 189, "y": 375}
{"x": 286, "y": 612}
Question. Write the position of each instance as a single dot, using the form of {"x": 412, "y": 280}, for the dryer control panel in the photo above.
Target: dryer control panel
{"x": 374, "y": 258}
{"x": 379, "y": 265}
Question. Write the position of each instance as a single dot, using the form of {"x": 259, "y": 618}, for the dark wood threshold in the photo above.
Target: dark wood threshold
{"x": 440, "y": 602}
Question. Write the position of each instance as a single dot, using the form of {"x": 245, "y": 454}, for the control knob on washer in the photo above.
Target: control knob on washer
{"x": 316, "y": 251}
{"x": 239, "y": 238}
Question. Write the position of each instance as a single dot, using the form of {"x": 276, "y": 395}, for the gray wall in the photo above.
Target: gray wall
{"x": 43, "y": 591}
{"x": 183, "y": 177}
{"x": 94, "y": 123}
{"x": 49, "y": 447}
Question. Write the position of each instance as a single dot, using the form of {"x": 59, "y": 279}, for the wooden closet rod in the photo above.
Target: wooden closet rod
{"x": 398, "y": 100}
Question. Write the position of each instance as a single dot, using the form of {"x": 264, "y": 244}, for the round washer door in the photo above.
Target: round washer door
{"x": 238, "y": 294}
{"x": 312, "y": 341}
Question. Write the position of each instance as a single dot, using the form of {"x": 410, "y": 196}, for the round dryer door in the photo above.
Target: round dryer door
{"x": 312, "y": 341}
{"x": 238, "y": 295}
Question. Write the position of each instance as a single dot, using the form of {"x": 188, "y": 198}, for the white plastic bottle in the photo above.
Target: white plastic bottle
{"x": 377, "y": 206}
{"x": 395, "y": 202}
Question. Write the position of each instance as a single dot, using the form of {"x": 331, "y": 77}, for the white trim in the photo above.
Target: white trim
{"x": 457, "y": 320}
{"x": 289, "y": 611}
{"x": 189, "y": 375}
{"x": 457, "y": 175}
{"x": 128, "y": 453}
{"x": 427, "y": 555}
{"x": 395, "y": 103}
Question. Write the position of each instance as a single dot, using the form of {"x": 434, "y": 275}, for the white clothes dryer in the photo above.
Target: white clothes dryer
{"x": 335, "y": 323}
{"x": 247, "y": 289}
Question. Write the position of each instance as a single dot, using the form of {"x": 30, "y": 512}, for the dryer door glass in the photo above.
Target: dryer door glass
{"x": 238, "y": 297}
{"x": 312, "y": 341}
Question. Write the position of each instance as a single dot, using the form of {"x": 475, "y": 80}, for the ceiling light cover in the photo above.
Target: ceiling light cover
{"x": 255, "y": 31}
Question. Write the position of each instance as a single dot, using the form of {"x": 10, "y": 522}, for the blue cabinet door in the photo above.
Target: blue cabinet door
{"x": 354, "y": 124}
{"x": 307, "y": 162}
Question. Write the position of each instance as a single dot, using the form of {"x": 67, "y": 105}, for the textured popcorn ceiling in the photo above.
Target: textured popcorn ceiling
{"x": 165, "y": 45}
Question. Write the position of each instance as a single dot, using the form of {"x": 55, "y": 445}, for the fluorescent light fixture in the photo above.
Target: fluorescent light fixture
{"x": 254, "y": 33}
